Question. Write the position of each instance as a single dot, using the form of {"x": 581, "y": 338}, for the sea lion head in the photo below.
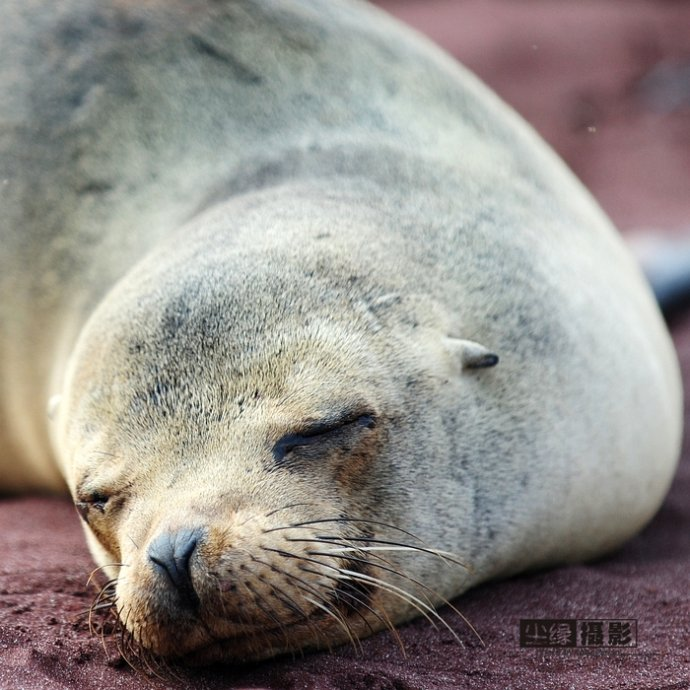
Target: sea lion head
{"x": 244, "y": 432}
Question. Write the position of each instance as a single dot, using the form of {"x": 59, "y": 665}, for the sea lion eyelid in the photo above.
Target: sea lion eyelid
{"x": 85, "y": 503}
{"x": 89, "y": 495}
{"x": 326, "y": 426}
{"x": 317, "y": 431}
{"x": 96, "y": 499}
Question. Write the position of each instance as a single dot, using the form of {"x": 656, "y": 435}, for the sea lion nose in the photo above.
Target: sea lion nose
{"x": 170, "y": 554}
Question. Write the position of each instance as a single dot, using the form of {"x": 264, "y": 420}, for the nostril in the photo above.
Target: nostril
{"x": 171, "y": 553}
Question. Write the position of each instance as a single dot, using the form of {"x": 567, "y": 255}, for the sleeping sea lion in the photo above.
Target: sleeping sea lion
{"x": 327, "y": 335}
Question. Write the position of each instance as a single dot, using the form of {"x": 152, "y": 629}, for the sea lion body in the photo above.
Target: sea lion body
{"x": 263, "y": 253}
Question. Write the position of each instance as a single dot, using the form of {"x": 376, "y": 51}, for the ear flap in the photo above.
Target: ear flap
{"x": 472, "y": 355}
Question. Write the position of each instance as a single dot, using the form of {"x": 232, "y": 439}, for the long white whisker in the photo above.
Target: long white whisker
{"x": 357, "y": 645}
{"x": 392, "y": 568}
{"x": 352, "y": 549}
{"x": 325, "y": 539}
{"x": 425, "y": 609}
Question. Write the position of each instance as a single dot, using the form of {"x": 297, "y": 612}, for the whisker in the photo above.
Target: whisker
{"x": 288, "y": 506}
{"x": 100, "y": 569}
{"x": 259, "y": 600}
{"x": 303, "y": 616}
{"x": 102, "y": 607}
{"x": 123, "y": 644}
{"x": 409, "y": 598}
{"x": 445, "y": 555}
{"x": 342, "y": 620}
{"x": 356, "y": 644}
{"x": 382, "y": 616}
{"x": 344, "y": 520}
{"x": 298, "y": 581}
{"x": 108, "y": 587}
{"x": 153, "y": 665}
{"x": 267, "y": 611}
{"x": 97, "y": 607}
{"x": 288, "y": 601}
{"x": 400, "y": 573}
{"x": 325, "y": 539}
{"x": 425, "y": 609}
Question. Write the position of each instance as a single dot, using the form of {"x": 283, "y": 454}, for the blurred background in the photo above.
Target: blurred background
{"x": 605, "y": 82}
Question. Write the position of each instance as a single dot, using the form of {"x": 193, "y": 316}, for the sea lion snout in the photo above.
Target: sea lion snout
{"x": 170, "y": 554}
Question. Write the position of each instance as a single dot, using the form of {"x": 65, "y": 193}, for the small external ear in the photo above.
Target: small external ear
{"x": 53, "y": 405}
{"x": 472, "y": 355}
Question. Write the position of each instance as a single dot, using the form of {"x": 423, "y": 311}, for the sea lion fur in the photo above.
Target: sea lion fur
{"x": 328, "y": 334}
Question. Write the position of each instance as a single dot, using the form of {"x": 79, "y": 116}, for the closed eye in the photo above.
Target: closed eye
{"x": 325, "y": 432}
{"x": 86, "y": 504}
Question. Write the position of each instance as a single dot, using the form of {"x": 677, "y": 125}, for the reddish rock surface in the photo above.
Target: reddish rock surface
{"x": 608, "y": 84}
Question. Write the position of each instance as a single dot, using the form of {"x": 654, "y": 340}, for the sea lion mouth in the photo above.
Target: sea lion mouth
{"x": 345, "y": 608}
{"x": 166, "y": 629}
{"x": 309, "y": 584}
